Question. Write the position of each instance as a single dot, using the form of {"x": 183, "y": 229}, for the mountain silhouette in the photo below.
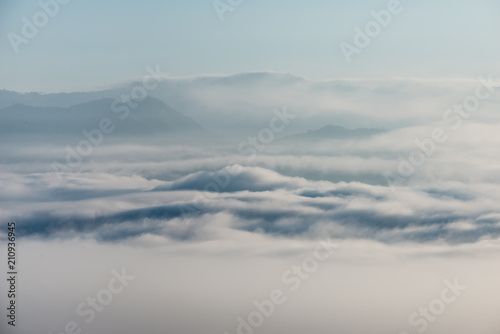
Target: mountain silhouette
{"x": 147, "y": 117}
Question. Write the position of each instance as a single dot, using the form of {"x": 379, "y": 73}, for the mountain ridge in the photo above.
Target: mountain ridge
{"x": 149, "y": 116}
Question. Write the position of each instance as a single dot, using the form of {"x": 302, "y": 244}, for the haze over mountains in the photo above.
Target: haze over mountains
{"x": 149, "y": 117}
{"x": 237, "y": 106}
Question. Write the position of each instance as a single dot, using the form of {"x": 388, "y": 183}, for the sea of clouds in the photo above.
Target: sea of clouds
{"x": 206, "y": 230}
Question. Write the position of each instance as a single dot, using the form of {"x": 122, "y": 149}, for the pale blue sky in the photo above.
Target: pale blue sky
{"x": 93, "y": 43}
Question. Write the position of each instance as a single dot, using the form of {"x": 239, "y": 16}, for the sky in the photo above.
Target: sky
{"x": 88, "y": 44}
